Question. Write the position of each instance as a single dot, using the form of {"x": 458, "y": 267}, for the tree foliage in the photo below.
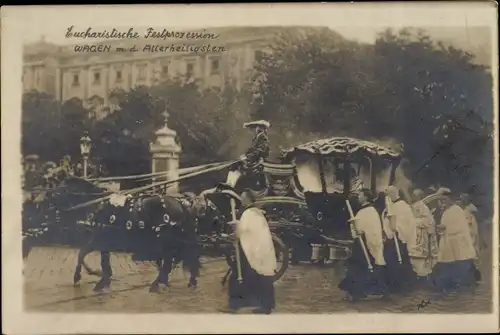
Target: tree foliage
{"x": 406, "y": 87}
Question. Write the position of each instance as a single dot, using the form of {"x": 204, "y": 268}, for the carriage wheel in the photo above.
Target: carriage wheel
{"x": 282, "y": 257}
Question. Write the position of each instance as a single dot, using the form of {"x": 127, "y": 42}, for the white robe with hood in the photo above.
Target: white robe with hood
{"x": 406, "y": 224}
{"x": 367, "y": 222}
{"x": 456, "y": 242}
{"x": 256, "y": 241}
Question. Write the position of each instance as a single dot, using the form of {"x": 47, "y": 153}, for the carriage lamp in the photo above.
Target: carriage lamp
{"x": 85, "y": 146}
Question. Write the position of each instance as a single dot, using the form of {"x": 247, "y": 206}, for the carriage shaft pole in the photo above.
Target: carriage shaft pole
{"x": 238, "y": 261}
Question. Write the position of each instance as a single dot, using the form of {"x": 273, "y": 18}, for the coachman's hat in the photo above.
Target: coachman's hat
{"x": 259, "y": 123}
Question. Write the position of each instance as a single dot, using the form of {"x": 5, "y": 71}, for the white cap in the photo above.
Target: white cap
{"x": 259, "y": 123}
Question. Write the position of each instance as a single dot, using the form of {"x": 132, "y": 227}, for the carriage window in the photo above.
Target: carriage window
{"x": 340, "y": 171}
{"x": 364, "y": 172}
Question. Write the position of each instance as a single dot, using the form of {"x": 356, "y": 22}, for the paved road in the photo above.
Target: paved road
{"x": 303, "y": 289}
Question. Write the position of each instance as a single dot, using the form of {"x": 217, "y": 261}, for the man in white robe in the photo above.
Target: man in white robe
{"x": 251, "y": 281}
{"x": 470, "y": 213}
{"x": 455, "y": 268}
{"x": 424, "y": 255}
{"x": 400, "y": 231}
{"x": 359, "y": 281}
{"x": 404, "y": 221}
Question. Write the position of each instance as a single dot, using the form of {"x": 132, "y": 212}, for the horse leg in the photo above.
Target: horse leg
{"x": 191, "y": 262}
{"x": 164, "y": 269}
{"x": 81, "y": 256}
{"x": 107, "y": 272}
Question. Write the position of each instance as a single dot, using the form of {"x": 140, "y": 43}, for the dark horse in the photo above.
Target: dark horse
{"x": 160, "y": 228}
{"x": 46, "y": 221}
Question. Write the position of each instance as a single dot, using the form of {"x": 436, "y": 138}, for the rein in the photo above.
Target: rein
{"x": 218, "y": 167}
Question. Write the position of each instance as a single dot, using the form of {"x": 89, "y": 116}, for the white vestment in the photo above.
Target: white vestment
{"x": 256, "y": 241}
{"x": 456, "y": 242}
{"x": 425, "y": 253}
{"x": 117, "y": 200}
{"x": 470, "y": 211}
{"x": 406, "y": 225}
{"x": 367, "y": 221}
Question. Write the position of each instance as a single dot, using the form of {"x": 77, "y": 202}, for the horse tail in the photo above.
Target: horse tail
{"x": 27, "y": 246}
{"x": 90, "y": 270}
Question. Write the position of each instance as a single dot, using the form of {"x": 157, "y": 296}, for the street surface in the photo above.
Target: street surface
{"x": 303, "y": 289}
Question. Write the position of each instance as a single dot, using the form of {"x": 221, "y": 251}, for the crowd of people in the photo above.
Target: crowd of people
{"x": 410, "y": 247}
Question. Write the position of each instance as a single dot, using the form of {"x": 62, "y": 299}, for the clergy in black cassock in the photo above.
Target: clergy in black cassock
{"x": 257, "y": 262}
{"x": 360, "y": 281}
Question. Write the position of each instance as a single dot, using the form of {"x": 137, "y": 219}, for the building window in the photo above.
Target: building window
{"x": 189, "y": 70}
{"x": 118, "y": 76}
{"x": 258, "y": 55}
{"x": 76, "y": 79}
{"x": 164, "y": 70}
{"x": 97, "y": 78}
{"x": 141, "y": 72}
{"x": 215, "y": 66}
{"x": 37, "y": 78}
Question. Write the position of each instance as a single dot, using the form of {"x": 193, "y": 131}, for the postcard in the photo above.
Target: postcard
{"x": 250, "y": 168}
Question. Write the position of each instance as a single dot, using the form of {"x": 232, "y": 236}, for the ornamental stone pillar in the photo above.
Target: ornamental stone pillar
{"x": 165, "y": 154}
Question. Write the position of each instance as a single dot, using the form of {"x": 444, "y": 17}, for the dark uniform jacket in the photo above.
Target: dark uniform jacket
{"x": 259, "y": 149}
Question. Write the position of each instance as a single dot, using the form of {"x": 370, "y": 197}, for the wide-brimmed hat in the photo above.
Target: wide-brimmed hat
{"x": 259, "y": 123}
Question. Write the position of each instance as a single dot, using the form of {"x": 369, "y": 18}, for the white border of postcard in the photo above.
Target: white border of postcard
{"x": 18, "y": 21}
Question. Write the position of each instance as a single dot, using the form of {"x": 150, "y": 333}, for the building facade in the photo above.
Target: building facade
{"x": 93, "y": 72}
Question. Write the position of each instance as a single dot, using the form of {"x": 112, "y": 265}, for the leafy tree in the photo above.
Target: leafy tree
{"x": 405, "y": 87}
{"x": 40, "y": 119}
{"x": 121, "y": 140}
{"x": 74, "y": 121}
{"x": 51, "y": 129}
{"x": 444, "y": 97}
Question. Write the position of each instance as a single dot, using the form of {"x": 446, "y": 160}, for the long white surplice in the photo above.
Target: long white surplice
{"x": 367, "y": 221}
{"x": 256, "y": 241}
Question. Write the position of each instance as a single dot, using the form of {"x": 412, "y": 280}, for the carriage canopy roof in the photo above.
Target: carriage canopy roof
{"x": 341, "y": 146}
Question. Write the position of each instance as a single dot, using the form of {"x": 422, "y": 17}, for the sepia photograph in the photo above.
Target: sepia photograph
{"x": 241, "y": 165}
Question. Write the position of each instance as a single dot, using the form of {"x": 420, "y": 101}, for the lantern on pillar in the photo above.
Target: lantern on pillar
{"x": 85, "y": 146}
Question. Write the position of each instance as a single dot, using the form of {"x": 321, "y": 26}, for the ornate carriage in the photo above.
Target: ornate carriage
{"x": 304, "y": 196}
